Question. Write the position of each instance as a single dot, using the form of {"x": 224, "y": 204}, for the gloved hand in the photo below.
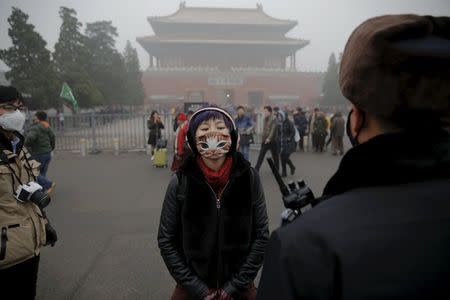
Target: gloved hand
{"x": 223, "y": 295}
{"x": 212, "y": 295}
{"x": 51, "y": 236}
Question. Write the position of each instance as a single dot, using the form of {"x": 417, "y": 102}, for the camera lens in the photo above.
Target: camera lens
{"x": 40, "y": 198}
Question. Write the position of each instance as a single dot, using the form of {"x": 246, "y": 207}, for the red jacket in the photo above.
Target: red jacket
{"x": 181, "y": 138}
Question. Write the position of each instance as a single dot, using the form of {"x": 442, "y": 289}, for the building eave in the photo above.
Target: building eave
{"x": 157, "y": 40}
{"x": 182, "y": 16}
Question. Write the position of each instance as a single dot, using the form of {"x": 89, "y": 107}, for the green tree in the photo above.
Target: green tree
{"x": 107, "y": 67}
{"x": 332, "y": 95}
{"x": 134, "y": 75}
{"x": 72, "y": 60}
{"x": 31, "y": 68}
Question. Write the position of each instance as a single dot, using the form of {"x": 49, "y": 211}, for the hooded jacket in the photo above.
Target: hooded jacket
{"x": 383, "y": 231}
{"x": 214, "y": 243}
{"x": 22, "y": 225}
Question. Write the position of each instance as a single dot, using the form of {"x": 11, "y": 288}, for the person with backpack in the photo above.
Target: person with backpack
{"x": 213, "y": 227}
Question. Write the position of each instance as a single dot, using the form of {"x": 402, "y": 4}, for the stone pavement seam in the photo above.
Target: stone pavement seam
{"x": 85, "y": 275}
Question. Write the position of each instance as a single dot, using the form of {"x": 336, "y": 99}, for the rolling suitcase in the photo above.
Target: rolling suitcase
{"x": 161, "y": 143}
{"x": 160, "y": 158}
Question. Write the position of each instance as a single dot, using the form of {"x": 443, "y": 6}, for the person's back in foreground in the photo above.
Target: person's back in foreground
{"x": 383, "y": 228}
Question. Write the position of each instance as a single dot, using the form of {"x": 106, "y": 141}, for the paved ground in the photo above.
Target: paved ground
{"x": 106, "y": 211}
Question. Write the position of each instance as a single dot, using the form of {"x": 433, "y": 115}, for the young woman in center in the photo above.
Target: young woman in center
{"x": 214, "y": 228}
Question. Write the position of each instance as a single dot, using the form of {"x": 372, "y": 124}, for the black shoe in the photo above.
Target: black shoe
{"x": 292, "y": 170}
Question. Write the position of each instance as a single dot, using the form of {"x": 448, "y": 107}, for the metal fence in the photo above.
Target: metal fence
{"x": 101, "y": 131}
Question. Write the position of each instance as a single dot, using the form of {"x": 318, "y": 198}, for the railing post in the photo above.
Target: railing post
{"x": 83, "y": 147}
{"x": 144, "y": 129}
{"x": 94, "y": 149}
{"x": 116, "y": 146}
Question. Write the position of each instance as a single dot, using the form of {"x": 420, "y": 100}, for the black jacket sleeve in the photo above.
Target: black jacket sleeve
{"x": 240, "y": 282}
{"x": 167, "y": 241}
{"x": 298, "y": 265}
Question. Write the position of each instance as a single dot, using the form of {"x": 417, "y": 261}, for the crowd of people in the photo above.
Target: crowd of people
{"x": 284, "y": 131}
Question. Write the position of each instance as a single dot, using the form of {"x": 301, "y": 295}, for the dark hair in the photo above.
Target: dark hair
{"x": 41, "y": 115}
{"x": 240, "y": 107}
{"x": 268, "y": 107}
{"x": 208, "y": 115}
{"x": 190, "y": 113}
{"x": 9, "y": 94}
{"x": 152, "y": 115}
{"x": 276, "y": 108}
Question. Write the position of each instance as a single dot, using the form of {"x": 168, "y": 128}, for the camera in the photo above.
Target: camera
{"x": 297, "y": 197}
{"x": 32, "y": 191}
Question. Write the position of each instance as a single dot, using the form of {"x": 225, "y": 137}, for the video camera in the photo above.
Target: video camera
{"x": 297, "y": 196}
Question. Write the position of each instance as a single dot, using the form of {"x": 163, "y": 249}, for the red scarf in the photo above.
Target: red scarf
{"x": 216, "y": 179}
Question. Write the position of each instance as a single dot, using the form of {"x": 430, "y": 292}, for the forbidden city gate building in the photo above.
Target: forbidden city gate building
{"x": 225, "y": 56}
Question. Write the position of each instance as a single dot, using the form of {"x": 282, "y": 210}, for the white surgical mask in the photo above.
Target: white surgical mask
{"x": 12, "y": 121}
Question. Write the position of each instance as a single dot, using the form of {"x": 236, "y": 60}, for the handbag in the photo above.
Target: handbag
{"x": 246, "y": 139}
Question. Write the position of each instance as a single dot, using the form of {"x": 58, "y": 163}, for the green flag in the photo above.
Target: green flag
{"x": 67, "y": 94}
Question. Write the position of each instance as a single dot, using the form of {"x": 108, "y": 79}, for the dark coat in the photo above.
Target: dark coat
{"x": 288, "y": 137}
{"x": 338, "y": 126}
{"x": 207, "y": 246}
{"x": 382, "y": 233}
{"x": 301, "y": 123}
{"x": 154, "y": 133}
{"x": 40, "y": 139}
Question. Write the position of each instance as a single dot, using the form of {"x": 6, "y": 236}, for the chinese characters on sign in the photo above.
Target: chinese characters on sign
{"x": 225, "y": 80}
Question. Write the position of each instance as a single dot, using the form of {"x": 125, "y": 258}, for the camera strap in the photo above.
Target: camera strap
{"x": 5, "y": 159}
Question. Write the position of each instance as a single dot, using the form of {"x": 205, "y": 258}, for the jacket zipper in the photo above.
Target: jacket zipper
{"x": 4, "y": 239}
{"x": 218, "y": 205}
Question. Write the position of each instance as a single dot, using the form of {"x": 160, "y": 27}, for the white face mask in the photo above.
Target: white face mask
{"x": 12, "y": 121}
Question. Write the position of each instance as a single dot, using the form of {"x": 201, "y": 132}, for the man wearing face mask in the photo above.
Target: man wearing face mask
{"x": 24, "y": 227}
{"x": 382, "y": 228}
{"x": 213, "y": 228}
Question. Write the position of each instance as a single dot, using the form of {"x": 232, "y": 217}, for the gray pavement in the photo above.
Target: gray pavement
{"x": 106, "y": 211}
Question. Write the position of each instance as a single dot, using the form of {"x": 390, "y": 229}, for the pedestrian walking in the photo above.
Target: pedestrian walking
{"x": 180, "y": 151}
{"x": 288, "y": 145}
{"x": 269, "y": 139}
{"x": 154, "y": 125}
{"x": 337, "y": 133}
{"x": 40, "y": 142}
{"x": 213, "y": 228}
{"x": 244, "y": 125}
{"x": 301, "y": 123}
{"x": 320, "y": 131}
{"x": 311, "y": 132}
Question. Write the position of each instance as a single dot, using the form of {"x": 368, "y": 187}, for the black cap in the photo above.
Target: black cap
{"x": 9, "y": 94}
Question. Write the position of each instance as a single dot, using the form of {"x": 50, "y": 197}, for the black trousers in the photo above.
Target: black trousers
{"x": 273, "y": 147}
{"x": 286, "y": 160}
{"x": 301, "y": 142}
{"x": 19, "y": 281}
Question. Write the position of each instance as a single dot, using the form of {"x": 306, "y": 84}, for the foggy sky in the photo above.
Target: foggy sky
{"x": 326, "y": 23}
